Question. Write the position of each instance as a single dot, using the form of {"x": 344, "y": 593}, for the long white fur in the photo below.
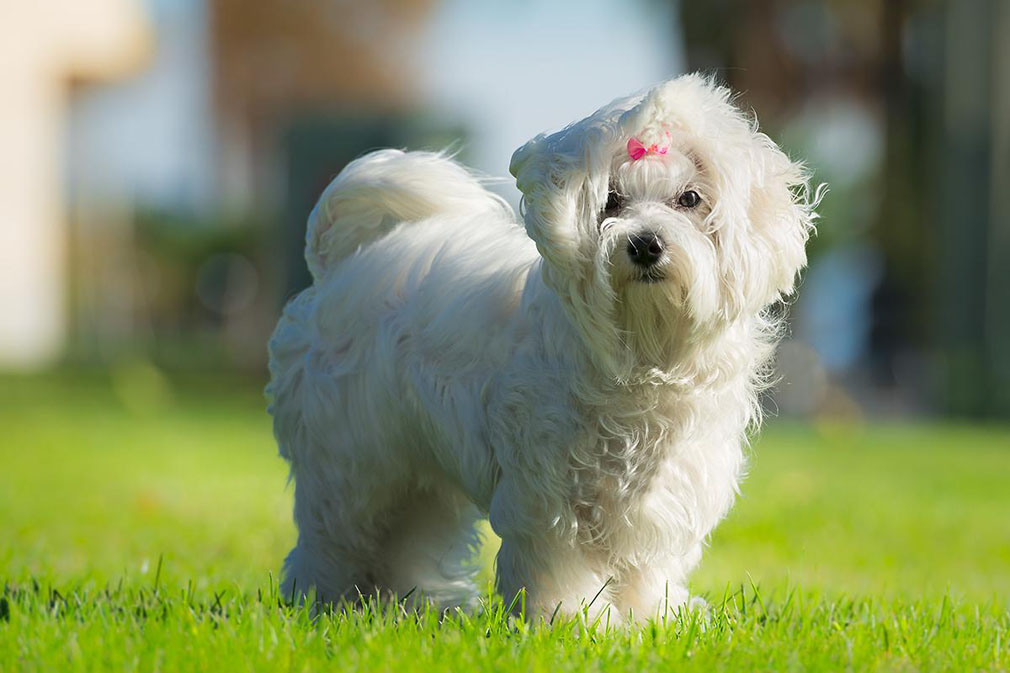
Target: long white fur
{"x": 447, "y": 365}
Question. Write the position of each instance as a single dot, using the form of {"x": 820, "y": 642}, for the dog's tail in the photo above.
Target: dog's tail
{"x": 381, "y": 190}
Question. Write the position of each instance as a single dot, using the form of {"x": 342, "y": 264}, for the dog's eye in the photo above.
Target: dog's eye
{"x": 615, "y": 202}
{"x": 689, "y": 199}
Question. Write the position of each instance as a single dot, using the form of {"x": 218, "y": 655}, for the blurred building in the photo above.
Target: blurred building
{"x": 177, "y": 192}
{"x": 275, "y": 62}
{"x": 44, "y": 46}
{"x": 177, "y": 175}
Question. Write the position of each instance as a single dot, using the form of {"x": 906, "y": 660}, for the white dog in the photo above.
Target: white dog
{"x": 587, "y": 383}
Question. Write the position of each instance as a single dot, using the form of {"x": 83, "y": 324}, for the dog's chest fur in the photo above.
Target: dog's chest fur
{"x": 651, "y": 464}
{"x": 630, "y": 471}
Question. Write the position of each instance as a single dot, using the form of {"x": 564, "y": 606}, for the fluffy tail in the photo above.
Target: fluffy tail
{"x": 380, "y": 190}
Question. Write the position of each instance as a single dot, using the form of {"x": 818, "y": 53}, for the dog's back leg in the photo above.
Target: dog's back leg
{"x": 388, "y": 542}
{"x": 340, "y": 533}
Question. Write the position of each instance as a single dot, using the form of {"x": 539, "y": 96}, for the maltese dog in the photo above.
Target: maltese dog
{"x": 585, "y": 380}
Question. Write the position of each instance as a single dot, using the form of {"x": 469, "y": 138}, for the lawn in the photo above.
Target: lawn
{"x": 142, "y": 524}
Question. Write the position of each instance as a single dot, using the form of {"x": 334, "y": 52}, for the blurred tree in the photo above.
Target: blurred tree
{"x": 972, "y": 179}
{"x": 303, "y": 88}
{"x": 317, "y": 147}
{"x": 937, "y": 75}
{"x": 998, "y": 297}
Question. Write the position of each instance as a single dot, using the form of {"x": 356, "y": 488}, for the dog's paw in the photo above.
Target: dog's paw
{"x": 698, "y": 604}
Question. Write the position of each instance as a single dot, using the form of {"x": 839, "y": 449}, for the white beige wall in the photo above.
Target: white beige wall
{"x": 43, "y": 44}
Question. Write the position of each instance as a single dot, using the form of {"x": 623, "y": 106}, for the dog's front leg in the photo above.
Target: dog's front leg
{"x": 556, "y": 577}
{"x": 658, "y": 589}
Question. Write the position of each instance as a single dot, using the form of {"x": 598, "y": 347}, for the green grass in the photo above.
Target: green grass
{"x": 141, "y": 522}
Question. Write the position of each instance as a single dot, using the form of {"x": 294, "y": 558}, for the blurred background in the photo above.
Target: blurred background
{"x": 161, "y": 156}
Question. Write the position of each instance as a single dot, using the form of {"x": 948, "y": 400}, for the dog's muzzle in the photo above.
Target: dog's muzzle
{"x": 645, "y": 250}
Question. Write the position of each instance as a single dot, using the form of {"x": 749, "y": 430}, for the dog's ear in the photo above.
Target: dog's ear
{"x": 782, "y": 213}
{"x": 564, "y": 186}
{"x": 555, "y": 205}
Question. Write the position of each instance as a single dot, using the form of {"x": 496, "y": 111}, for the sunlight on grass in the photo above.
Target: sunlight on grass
{"x": 885, "y": 543}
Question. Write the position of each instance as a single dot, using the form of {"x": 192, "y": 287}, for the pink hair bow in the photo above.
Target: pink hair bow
{"x": 636, "y": 150}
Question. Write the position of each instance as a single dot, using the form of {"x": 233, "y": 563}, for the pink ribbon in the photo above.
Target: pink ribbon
{"x": 636, "y": 150}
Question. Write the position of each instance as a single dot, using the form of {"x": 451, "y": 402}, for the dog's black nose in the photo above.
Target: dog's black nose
{"x": 645, "y": 249}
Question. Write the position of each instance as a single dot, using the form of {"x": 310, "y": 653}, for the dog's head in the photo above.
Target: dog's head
{"x": 663, "y": 217}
